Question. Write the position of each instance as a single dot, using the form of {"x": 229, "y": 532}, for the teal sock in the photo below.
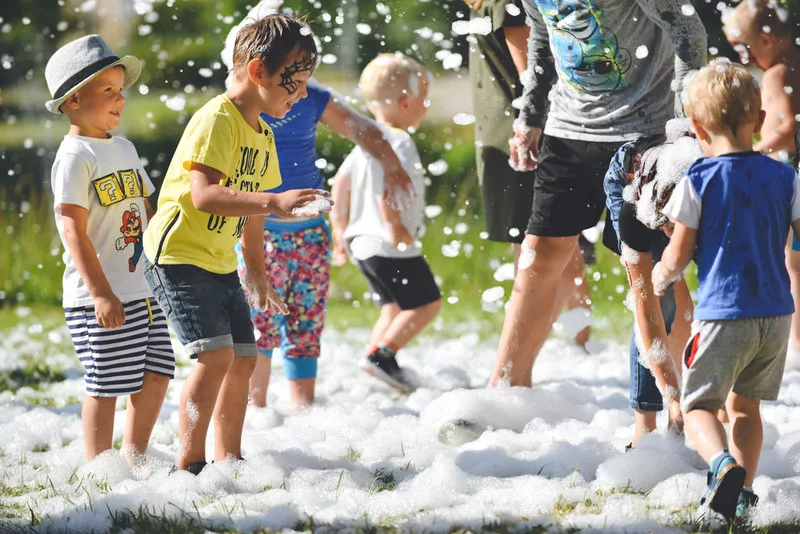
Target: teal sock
{"x": 717, "y": 460}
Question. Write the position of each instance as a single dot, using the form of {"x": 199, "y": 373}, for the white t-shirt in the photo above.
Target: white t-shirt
{"x": 367, "y": 234}
{"x": 106, "y": 177}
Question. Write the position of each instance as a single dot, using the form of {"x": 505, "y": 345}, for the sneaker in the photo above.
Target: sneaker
{"x": 194, "y": 468}
{"x": 747, "y": 499}
{"x": 385, "y": 368}
{"x": 724, "y": 487}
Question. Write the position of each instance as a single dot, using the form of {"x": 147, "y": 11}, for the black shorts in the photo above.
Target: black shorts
{"x": 568, "y": 194}
{"x": 407, "y": 282}
{"x": 507, "y": 196}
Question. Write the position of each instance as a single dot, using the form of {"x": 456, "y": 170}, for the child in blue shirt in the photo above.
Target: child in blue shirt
{"x": 732, "y": 212}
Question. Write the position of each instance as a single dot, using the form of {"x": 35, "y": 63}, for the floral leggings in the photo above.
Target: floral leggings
{"x": 298, "y": 260}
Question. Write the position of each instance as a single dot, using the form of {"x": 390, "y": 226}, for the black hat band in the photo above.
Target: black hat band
{"x": 82, "y": 74}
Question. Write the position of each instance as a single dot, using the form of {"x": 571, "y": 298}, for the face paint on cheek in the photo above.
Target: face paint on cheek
{"x": 288, "y": 82}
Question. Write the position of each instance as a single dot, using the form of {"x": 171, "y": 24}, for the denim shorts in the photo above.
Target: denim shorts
{"x": 207, "y": 311}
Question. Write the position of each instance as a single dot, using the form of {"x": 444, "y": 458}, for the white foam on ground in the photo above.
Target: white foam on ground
{"x": 551, "y": 455}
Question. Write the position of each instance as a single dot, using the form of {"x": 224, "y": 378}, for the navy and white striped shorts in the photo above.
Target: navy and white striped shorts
{"x": 115, "y": 359}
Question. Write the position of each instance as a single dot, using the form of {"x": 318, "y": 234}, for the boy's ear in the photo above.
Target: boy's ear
{"x": 700, "y": 132}
{"x": 403, "y": 101}
{"x": 72, "y": 102}
{"x": 256, "y": 71}
{"x": 760, "y": 122}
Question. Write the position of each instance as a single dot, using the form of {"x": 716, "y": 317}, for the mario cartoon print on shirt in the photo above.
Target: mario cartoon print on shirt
{"x": 588, "y": 55}
{"x": 131, "y": 230}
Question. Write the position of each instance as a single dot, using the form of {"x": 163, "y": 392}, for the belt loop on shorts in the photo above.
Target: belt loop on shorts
{"x": 149, "y": 310}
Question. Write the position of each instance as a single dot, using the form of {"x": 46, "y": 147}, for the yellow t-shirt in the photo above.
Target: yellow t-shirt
{"x": 217, "y": 136}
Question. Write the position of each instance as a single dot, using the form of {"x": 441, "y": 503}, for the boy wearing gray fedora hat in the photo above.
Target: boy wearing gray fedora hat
{"x": 101, "y": 209}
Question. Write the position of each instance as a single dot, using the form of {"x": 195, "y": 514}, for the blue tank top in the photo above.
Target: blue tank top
{"x": 296, "y": 142}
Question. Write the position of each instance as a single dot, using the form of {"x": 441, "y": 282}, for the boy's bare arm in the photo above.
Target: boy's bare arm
{"x": 108, "y": 308}
{"x": 340, "y": 216}
{"x": 779, "y": 125}
{"x": 210, "y": 197}
{"x": 148, "y": 209}
{"x": 653, "y": 332}
{"x": 392, "y": 217}
{"x": 348, "y": 123}
{"x": 676, "y": 257}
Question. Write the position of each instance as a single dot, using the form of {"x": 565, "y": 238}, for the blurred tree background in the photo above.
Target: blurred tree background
{"x": 180, "y": 42}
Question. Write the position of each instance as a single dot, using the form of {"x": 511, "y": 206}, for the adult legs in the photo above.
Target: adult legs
{"x": 525, "y": 327}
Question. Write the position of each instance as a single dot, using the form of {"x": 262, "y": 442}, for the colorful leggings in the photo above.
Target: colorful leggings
{"x": 297, "y": 257}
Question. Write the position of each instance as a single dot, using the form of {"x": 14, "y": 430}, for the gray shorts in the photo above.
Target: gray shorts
{"x": 743, "y": 355}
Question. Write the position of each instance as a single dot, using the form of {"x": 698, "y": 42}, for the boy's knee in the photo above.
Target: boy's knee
{"x": 157, "y": 379}
{"x": 737, "y": 405}
{"x": 243, "y": 366}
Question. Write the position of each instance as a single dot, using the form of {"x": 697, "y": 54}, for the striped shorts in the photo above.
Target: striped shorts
{"x": 115, "y": 359}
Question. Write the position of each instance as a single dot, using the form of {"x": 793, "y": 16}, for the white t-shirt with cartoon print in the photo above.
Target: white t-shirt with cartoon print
{"x": 106, "y": 177}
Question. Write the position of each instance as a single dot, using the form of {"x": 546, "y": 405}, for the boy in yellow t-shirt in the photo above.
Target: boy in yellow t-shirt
{"x": 210, "y": 200}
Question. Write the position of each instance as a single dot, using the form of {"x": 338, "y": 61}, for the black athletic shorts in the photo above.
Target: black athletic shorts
{"x": 568, "y": 194}
{"x": 407, "y": 282}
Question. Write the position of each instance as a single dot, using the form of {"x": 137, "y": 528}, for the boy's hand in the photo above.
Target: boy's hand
{"x": 660, "y": 280}
{"x": 339, "y": 250}
{"x": 676, "y": 416}
{"x": 302, "y": 203}
{"x": 339, "y": 253}
{"x": 524, "y": 147}
{"x": 109, "y": 311}
{"x": 261, "y": 295}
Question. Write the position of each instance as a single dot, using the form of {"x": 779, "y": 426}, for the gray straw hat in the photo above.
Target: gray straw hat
{"x": 78, "y": 62}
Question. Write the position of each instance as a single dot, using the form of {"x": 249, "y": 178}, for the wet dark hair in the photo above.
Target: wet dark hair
{"x": 272, "y": 39}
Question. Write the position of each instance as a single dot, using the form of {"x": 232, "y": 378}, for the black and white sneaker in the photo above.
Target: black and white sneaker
{"x": 386, "y": 369}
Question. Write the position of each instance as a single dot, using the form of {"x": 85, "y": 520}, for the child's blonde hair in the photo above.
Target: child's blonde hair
{"x": 723, "y": 95}
{"x": 757, "y": 16}
{"x": 389, "y": 76}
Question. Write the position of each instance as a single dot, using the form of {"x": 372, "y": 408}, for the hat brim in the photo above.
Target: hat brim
{"x": 133, "y": 68}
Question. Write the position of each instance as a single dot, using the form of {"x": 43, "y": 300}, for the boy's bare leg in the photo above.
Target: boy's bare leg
{"x": 747, "y": 433}
{"x": 231, "y": 408}
{"x": 409, "y": 323}
{"x": 97, "y": 419}
{"x": 706, "y": 432}
{"x": 301, "y": 391}
{"x": 644, "y": 423}
{"x": 259, "y": 382}
{"x": 681, "y": 328}
{"x": 143, "y": 409}
{"x": 198, "y": 398}
{"x": 793, "y": 266}
{"x": 526, "y": 327}
{"x": 388, "y": 314}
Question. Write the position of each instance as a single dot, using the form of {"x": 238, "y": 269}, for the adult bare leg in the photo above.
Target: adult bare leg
{"x": 529, "y": 317}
